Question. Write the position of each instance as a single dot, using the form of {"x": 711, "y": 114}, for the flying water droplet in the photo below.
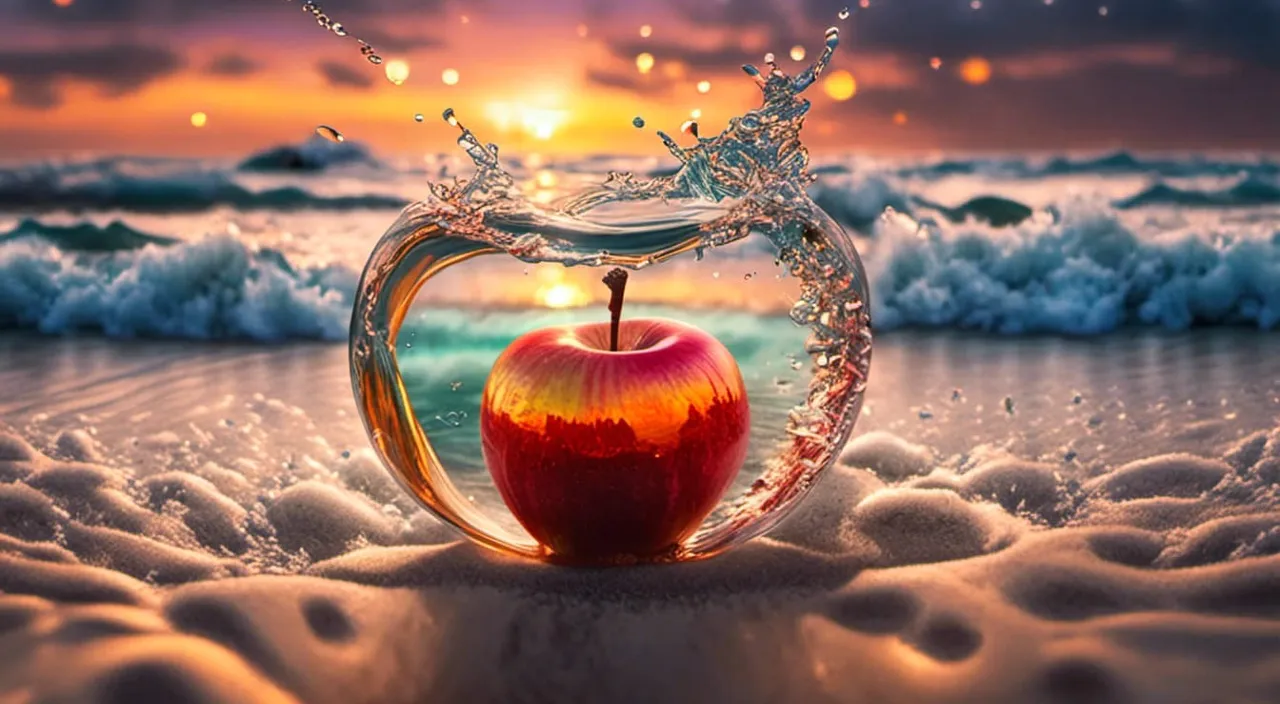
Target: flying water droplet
{"x": 419, "y": 118}
{"x": 330, "y": 134}
{"x": 637, "y": 122}
{"x": 832, "y": 37}
{"x": 690, "y": 127}
{"x": 455, "y": 385}
{"x": 843, "y": 14}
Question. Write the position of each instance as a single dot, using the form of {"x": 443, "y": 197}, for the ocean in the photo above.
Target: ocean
{"x": 1063, "y": 484}
{"x": 1112, "y": 302}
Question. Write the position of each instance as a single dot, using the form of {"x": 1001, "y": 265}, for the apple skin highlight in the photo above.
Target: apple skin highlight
{"x": 610, "y": 456}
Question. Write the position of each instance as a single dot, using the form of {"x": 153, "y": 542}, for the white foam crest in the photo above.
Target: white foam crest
{"x": 214, "y": 288}
{"x": 1085, "y": 273}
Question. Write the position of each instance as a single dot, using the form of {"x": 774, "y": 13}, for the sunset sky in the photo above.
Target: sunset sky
{"x": 126, "y": 76}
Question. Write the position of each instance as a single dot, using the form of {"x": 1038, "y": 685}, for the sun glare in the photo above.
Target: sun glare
{"x": 539, "y": 123}
{"x": 562, "y": 296}
{"x": 555, "y": 291}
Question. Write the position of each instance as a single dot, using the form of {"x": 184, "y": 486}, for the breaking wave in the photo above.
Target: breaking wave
{"x": 215, "y": 288}
{"x": 1085, "y": 274}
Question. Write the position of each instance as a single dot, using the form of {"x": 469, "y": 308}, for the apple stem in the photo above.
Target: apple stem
{"x": 616, "y": 280}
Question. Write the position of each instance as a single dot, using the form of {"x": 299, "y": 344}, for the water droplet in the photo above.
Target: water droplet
{"x": 1008, "y": 404}
{"x": 455, "y": 385}
{"x": 843, "y": 14}
{"x": 419, "y": 117}
{"x": 832, "y": 37}
{"x": 330, "y": 134}
{"x": 956, "y": 393}
{"x": 749, "y": 276}
{"x": 338, "y": 29}
{"x": 769, "y": 58}
{"x": 450, "y": 117}
{"x": 375, "y": 59}
{"x": 1077, "y": 399}
{"x": 637, "y": 122}
{"x": 1070, "y": 456}
{"x": 690, "y": 127}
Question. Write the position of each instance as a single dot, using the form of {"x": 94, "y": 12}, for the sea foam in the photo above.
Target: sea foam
{"x": 214, "y": 288}
{"x": 1084, "y": 274}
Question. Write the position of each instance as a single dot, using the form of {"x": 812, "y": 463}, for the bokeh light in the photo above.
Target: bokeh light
{"x": 975, "y": 70}
{"x": 840, "y": 85}
{"x": 449, "y": 76}
{"x": 199, "y": 119}
{"x": 644, "y": 62}
{"x": 397, "y": 71}
{"x": 797, "y": 53}
{"x": 900, "y": 118}
{"x": 646, "y": 31}
{"x": 704, "y": 86}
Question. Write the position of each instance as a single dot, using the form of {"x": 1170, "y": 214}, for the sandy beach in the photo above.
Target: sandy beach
{"x": 173, "y": 533}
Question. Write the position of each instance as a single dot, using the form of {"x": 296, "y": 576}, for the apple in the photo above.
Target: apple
{"x": 611, "y": 442}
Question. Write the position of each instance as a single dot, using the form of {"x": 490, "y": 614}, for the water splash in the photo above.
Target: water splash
{"x": 749, "y": 179}
{"x": 331, "y": 25}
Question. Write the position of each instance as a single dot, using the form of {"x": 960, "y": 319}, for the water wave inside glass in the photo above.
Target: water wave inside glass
{"x": 742, "y": 190}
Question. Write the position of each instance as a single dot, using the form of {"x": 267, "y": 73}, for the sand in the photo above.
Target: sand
{"x": 252, "y": 551}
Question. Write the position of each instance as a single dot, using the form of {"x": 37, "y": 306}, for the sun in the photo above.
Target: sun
{"x": 556, "y": 291}
{"x": 562, "y": 295}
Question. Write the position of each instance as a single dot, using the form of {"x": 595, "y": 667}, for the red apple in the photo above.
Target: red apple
{"x": 607, "y": 452}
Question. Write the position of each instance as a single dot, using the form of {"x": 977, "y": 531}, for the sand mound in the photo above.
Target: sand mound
{"x": 988, "y": 578}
